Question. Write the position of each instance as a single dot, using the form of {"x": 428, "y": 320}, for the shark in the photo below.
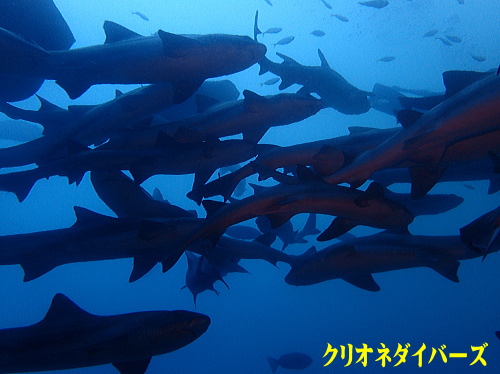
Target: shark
{"x": 163, "y": 57}
{"x": 69, "y": 337}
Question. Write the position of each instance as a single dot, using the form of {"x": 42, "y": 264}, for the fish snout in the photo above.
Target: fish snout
{"x": 199, "y": 324}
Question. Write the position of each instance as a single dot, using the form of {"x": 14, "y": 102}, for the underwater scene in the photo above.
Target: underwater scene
{"x": 258, "y": 186}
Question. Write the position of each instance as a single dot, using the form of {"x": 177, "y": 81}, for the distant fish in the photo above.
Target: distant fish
{"x": 445, "y": 41}
{"x": 326, "y": 4}
{"x": 271, "y": 81}
{"x": 454, "y": 39}
{"x": 290, "y": 361}
{"x": 461, "y": 1}
{"x": 318, "y": 33}
{"x": 478, "y": 58}
{"x": 430, "y": 33}
{"x": 341, "y": 17}
{"x": 142, "y": 15}
{"x": 386, "y": 59}
{"x": 272, "y": 30}
{"x": 269, "y": 2}
{"x": 284, "y": 41}
{"x": 379, "y": 4}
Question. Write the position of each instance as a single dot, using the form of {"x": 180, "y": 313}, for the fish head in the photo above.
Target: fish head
{"x": 167, "y": 331}
{"x": 231, "y": 53}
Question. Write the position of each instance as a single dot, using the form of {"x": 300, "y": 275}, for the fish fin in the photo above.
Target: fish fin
{"x": 324, "y": 63}
{"x": 360, "y": 129}
{"x": 132, "y": 367}
{"x": 19, "y": 183}
{"x": 285, "y": 83}
{"x": 47, "y": 106}
{"x": 287, "y": 60}
{"x": 183, "y": 90}
{"x": 157, "y": 195}
{"x": 74, "y": 85}
{"x": 273, "y": 363}
{"x": 339, "y": 226}
{"x": 447, "y": 268}
{"x": 267, "y": 238}
{"x": 456, "y": 80}
{"x": 200, "y": 178}
{"x": 34, "y": 268}
{"x": 407, "y": 117}
{"x": 118, "y": 93}
{"x": 85, "y": 216}
{"x": 63, "y": 309}
{"x": 310, "y": 226}
{"x": 174, "y": 45}
{"x": 141, "y": 267}
{"x": 278, "y": 219}
{"x": 423, "y": 179}
{"x": 117, "y": 33}
{"x": 255, "y": 135}
{"x": 204, "y": 102}
{"x": 212, "y": 206}
{"x": 375, "y": 191}
{"x": 256, "y": 30}
{"x": 151, "y": 230}
{"x": 171, "y": 260}
{"x": 252, "y": 99}
{"x": 363, "y": 281}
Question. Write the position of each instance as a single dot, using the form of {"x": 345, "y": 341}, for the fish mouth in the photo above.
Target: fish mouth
{"x": 197, "y": 326}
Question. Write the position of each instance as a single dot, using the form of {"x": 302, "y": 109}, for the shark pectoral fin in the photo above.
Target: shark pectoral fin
{"x": 34, "y": 268}
{"x": 255, "y": 135}
{"x": 278, "y": 219}
{"x": 422, "y": 180}
{"x": 267, "y": 238}
{"x": 285, "y": 83}
{"x": 447, "y": 268}
{"x": 363, "y": 281}
{"x": 117, "y": 33}
{"x": 204, "y": 102}
{"x": 171, "y": 260}
{"x": 339, "y": 226}
{"x": 176, "y": 46}
{"x": 85, "y": 216}
{"x": 132, "y": 367}
{"x": 183, "y": 90}
{"x": 74, "y": 85}
{"x": 142, "y": 266}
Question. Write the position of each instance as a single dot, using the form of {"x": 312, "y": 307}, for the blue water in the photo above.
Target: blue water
{"x": 260, "y": 315}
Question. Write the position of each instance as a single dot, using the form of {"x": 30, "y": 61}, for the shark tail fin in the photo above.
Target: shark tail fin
{"x": 19, "y": 183}
{"x": 273, "y": 363}
{"x": 448, "y": 268}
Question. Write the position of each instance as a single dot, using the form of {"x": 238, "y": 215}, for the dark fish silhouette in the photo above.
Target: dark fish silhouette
{"x": 430, "y": 33}
{"x": 325, "y": 3}
{"x": 284, "y": 41}
{"x": 453, "y": 38}
{"x": 462, "y": 124}
{"x": 483, "y": 234}
{"x": 355, "y": 261}
{"x": 41, "y": 22}
{"x": 387, "y": 59}
{"x": 164, "y": 57}
{"x": 290, "y": 361}
{"x": 141, "y": 15}
{"x": 341, "y": 17}
{"x": 379, "y": 4}
{"x": 74, "y": 338}
{"x": 273, "y": 30}
{"x": 318, "y": 33}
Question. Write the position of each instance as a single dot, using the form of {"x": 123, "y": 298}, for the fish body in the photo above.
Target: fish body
{"x": 284, "y": 41}
{"x": 379, "y": 4}
{"x": 318, "y": 33}
{"x": 141, "y": 15}
{"x": 387, "y": 59}
{"x": 160, "y": 58}
{"x": 341, "y": 17}
{"x": 335, "y": 91}
{"x": 293, "y": 360}
{"x": 74, "y": 338}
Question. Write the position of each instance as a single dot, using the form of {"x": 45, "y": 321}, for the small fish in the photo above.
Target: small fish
{"x": 326, "y": 4}
{"x": 290, "y": 361}
{"x": 284, "y": 41}
{"x": 454, "y": 39}
{"x": 445, "y": 41}
{"x": 478, "y": 58}
{"x": 272, "y": 30}
{"x": 461, "y": 1}
{"x": 269, "y": 2}
{"x": 318, "y": 33}
{"x": 386, "y": 59}
{"x": 430, "y": 33}
{"x": 379, "y": 4}
{"x": 142, "y": 15}
{"x": 341, "y": 17}
{"x": 468, "y": 186}
{"x": 271, "y": 81}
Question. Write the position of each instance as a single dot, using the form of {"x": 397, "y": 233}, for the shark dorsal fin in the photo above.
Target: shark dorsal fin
{"x": 117, "y": 33}
{"x": 63, "y": 309}
{"x": 176, "y": 45}
{"x": 86, "y": 217}
{"x": 324, "y": 63}
{"x": 47, "y": 106}
{"x": 252, "y": 99}
{"x": 457, "y": 80}
{"x": 157, "y": 195}
{"x": 132, "y": 367}
{"x": 360, "y": 129}
{"x": 286, "y": 59}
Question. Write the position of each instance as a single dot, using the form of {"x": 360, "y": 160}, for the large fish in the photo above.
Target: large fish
{"x": 335, "y": 91}
{"x": 468, "y": 119}
{"x": 164, "y": 57}
{"x": 41, "y": 22}
{"x": 356, "y": 260}
{"x": 69, "y": 337}
{"x": 325, "y": 156}
{"x": 166, "y": 157}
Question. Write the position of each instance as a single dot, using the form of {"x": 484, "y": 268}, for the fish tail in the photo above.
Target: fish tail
{"x": 273, "y": 363}
{"x": 448, "y": 268}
